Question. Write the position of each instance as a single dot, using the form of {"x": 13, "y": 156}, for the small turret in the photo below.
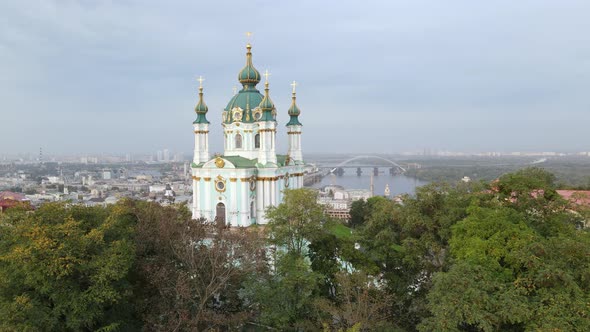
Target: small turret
{"x": 294, "y": 127}
{"x": 201, "y": 129}
{"x": 249, "y": 76}
{"x": 266, "y": 105}
{"x": 267, "y": 128}
{"x": 201, "y": 108}
{"x": 293, "y": 109}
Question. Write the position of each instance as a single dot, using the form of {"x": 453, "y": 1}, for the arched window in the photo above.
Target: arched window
{"x": 238, "y": 141}
{"x": 257, "y": 141}
{"x": 220, "y": 214}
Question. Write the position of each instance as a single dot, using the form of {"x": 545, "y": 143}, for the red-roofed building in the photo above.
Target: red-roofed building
{"x": 9, "y": 199}
{"x": 580, "y": 197}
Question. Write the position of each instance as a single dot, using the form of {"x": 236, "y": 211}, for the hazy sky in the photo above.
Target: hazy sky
{"x": 379, "y": 76}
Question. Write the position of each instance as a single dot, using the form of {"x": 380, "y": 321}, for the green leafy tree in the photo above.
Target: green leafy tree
{"x": 532, "y": 191}
{"x": 509, "y": 276}
{"x": 285, "y": 294}
{"x": 193, "y": 271}
{"x": 284, "y": 299}
{"x": 66, "y": 268}
{"x": 296, "y": 221}
{"x": 360, "y": 304}
{"x": 408, "y": 243}
{"x": 359, "y": 210}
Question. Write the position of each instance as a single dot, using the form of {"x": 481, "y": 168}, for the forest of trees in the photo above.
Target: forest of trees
{"x": 509, "y": 255}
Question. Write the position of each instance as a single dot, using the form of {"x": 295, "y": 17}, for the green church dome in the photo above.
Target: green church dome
{"x": 201, "y": 109}
{"x": 249, "y": 75}
{"x": 294, "y": 111}
{"x": 294, "y": 114}
{"x": 248, "y": 98}
{"x": 266, "y": 105}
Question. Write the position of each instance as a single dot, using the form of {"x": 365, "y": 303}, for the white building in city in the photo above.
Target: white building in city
{"x": 237, "y": 187}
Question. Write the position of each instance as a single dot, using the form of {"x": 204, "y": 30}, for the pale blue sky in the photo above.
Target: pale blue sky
{"x": 379, "y": 76}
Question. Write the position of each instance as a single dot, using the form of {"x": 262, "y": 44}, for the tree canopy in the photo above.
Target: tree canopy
{"x": 508, "y": 255}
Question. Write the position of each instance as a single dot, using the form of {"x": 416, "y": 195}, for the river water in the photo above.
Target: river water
{"x": 398, "y": 184}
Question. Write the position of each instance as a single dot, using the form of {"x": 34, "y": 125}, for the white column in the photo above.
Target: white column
{"x": 208, "y": 213}
{"x": 232, "y": 212}
{"x": 197, "y": 195}
{"x": 245, "y": 210}
{"x": 272, "y": 134}
{"x": 273, "y": 199}
{"x": 266, "y": 195}
{"x": 197, "y": 151}
{"x": 262, "y": 156}
{"x": 195, "y": 199}
{"x": 280, "y": 188}
{"x": 205, "y": 142}
{"x": 259, "y": 200}
{"x": 294, "y": 132}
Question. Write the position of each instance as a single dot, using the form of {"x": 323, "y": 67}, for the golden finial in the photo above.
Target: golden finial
{"x": 294, "y": 84}
{"x": 200, "y": 79}
{"x": 266, "y": 75}
{"x": 248, "y": 36}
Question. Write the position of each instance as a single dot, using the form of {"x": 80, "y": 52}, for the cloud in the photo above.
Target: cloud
{"x": 119, "y": 76}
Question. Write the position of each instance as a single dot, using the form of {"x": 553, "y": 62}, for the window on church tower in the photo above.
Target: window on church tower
{"x": 238, "y": 141}
{"x": 257, "y": 141}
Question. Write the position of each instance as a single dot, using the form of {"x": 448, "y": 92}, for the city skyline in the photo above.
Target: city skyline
{"x": 386, "y": 78}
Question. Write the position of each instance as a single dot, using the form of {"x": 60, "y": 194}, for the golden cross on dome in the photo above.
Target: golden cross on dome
{"x": 294, "y": 84}
{"x": 248, "y": 35}
{"x": 266, "y": 75}
{"x": 200, "y": 79}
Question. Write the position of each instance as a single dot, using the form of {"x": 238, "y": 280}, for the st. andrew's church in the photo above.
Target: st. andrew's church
{"x": 236, "y": 188}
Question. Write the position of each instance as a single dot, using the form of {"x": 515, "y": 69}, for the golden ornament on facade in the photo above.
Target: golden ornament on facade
{"x": 237, "y": 114}
{"x": 257, "y": 113}
{"x": 219, "y": 162}
{"x": 220, "y": 184}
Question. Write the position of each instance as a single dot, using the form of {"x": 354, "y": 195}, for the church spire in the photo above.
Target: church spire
{"x": 249, "y": 76}
{"x": 266, "y": 105}
{"x": 201, "y": 108}
{"x": 294, "y": 111}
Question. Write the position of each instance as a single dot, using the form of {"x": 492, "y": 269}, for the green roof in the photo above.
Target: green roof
{"x": 201, "y": 109}
{"x": 294, "y": 121}
{"x": 241, "y": 162}
{"x": 201, "y": 118}
{"x": 281, "y": 158}
{"x": 247, "y": 99}
{"x": 294, "y": 112}
{"x": 249, "y": 74}
{"x": 267, "y": 106}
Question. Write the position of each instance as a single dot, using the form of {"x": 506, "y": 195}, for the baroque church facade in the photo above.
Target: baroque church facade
{"x": 236, "y": 188}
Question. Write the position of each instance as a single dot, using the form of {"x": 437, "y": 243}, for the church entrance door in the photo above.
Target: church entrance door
{"x": 220, "y": 214}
